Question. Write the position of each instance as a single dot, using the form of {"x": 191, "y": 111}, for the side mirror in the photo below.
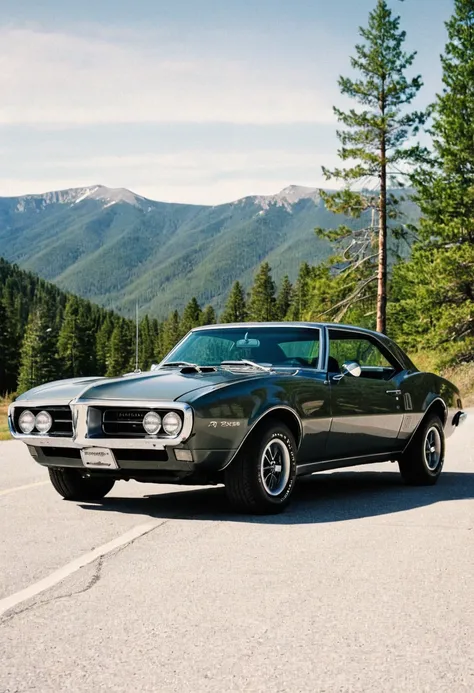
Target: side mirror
{"x": 353, "y": 368}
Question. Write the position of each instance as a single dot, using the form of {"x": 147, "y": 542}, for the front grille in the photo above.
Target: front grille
{"x": 124, "y": 422}
{"x": 61, "y": 415}
{"x": 127, "y": 422}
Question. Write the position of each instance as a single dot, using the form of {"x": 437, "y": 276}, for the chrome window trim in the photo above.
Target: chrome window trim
{"x": 368, "y": 336}
{"x": 80, "y": 439}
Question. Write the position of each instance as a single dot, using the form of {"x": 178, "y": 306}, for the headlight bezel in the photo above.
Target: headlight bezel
{"x": 49, "y": 422}
{"x": 179, "y": 421}
{"x": 28, "y": 430}
{"x": 158, "y": 425}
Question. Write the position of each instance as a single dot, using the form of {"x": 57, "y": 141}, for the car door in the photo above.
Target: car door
{"x": 367, "y": 411}
{"x": 308, "y": 392}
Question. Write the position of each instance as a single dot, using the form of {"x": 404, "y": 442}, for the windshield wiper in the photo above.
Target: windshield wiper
{"x": 245, "y": 362}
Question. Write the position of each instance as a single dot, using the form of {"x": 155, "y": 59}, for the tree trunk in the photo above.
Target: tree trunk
{"x": 382, "y": 269}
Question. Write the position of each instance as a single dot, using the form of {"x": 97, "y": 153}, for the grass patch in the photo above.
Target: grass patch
{"x": 4, "y": 432}
{"x": 461, "y": 375}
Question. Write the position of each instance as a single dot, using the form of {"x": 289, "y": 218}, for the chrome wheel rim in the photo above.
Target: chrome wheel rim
{"x": 433, "y": 448}
{"x": 275, "y": 466}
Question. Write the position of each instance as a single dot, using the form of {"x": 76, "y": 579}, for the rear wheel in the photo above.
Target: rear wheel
{"x": 71, "y": 485}
{"x": 261, "y": 478}
{"x": 422, "y": 463}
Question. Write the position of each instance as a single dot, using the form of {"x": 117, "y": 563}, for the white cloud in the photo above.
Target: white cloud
{"x": 65, "y": 79}
{"x": 200, "y": 177}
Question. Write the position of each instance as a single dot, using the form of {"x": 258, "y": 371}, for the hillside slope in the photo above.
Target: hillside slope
{"x": 115, "y": 247}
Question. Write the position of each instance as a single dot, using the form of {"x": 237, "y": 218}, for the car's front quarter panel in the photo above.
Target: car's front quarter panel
{"x": 224, "y": 417}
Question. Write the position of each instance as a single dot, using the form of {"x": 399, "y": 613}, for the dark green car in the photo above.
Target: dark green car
{"x": 252, "y": 406}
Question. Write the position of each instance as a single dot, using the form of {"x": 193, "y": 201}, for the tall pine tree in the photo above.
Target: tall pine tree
{"x": 4, "y": 348}
{"x": 300, "y": 294}
{"x": 103, "y": 337}
{"x": 283, "y": 300}
{"x": 235, "y": 309}
{"x": 375, "y": 139}
{"x": 76, "y": 341}
{"x": 170, "y": 334}
{"x": 191, "y": 317}
{"x": 39, "y": 363}
{"x": 208, "y": 316}
{"x": 146, "y": 344}
{"x": 436, "y": 288}
{"x": 121, "y": 349}
{"x": 262, "y": 303}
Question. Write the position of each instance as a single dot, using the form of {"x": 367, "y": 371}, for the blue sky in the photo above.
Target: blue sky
{"x": 183, "y": 101}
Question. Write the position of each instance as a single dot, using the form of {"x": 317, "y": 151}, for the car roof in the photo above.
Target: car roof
{"x": 314, "y": 325}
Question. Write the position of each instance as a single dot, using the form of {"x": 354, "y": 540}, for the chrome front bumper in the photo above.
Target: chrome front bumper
{"x": 87, "y": 430}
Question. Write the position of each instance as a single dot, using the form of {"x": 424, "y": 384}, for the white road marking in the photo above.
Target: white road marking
{"x": 22, "y": 488}
{"x": 75, "y": 565}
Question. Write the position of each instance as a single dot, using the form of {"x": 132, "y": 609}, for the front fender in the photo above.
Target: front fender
{"x": 225, "y": 417}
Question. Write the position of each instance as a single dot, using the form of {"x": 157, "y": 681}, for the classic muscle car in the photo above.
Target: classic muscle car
{"x": 252, "y": 406}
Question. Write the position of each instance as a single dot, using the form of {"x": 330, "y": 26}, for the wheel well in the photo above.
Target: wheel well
{"x": 286, "y": 417}
{"x": 438, "y": 407}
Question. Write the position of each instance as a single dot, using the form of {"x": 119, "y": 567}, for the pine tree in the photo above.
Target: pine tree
{"x": 146, "y": 344}
{"x": 300, "y": 294}
{"x": 76, "y": 341}
{"x": 235, "y": 309}
{"x": 103, "y": 337}
{"x": 208, "y": 316}
{"x": 283, "y": 301}
{"x": 191, "y": 316}
{"x": 121, "y": 349}
{"x": 4, "y": 348}
{"x": 170, "y": 334}
{"x": 436, "y": 288}
{"x": 262, "y": 303}
{"x": 38, "y": 353}
{"x": 376, "y": 140}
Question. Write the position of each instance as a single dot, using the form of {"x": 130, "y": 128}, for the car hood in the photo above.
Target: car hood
{"x": 158, "y": 385}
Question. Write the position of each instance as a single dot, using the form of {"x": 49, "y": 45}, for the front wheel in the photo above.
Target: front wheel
{"x": 71, "y": 485}
{"x": 422, "y": 463}
{"x": 261, "y": 478}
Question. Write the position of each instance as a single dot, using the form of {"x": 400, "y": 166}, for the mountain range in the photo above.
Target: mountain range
{"x": 115, "y": 247}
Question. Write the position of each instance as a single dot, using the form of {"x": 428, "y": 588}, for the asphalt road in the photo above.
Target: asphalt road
{"x": 362, "y": 585}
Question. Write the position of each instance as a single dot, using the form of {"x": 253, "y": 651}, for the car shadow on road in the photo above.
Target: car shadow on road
{"x": 329, "y": 497}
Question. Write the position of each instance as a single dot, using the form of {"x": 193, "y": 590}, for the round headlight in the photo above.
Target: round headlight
{"x": 172, "y": 424}
{"x": 152, "y": 423}
{"x": 44, "y": 421}
{"x": 26, "y": 421}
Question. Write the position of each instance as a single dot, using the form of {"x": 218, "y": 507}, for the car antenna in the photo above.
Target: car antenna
{"x": 137, "y": 333}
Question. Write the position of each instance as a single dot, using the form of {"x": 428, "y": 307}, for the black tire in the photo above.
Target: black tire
{"x": 71, "y": 485}
{"x": 422, "y": 463}
{"x": 252, "y": 484}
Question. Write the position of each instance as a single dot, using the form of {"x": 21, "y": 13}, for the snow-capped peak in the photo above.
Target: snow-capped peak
{"x": 74, "y": 196}
{"x": 287, "y": 197}
{"x": 109, "y": 195}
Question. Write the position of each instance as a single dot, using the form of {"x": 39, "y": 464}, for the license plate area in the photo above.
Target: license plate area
{"x": 98, "y": 458}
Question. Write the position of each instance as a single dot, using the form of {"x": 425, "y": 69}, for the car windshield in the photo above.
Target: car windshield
{"x": 267, "y": 346}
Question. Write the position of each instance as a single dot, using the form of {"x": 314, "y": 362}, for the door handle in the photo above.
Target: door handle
{"x": 397, "y": 393}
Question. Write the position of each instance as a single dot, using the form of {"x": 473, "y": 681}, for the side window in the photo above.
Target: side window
{"x": 374, "y": 361}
